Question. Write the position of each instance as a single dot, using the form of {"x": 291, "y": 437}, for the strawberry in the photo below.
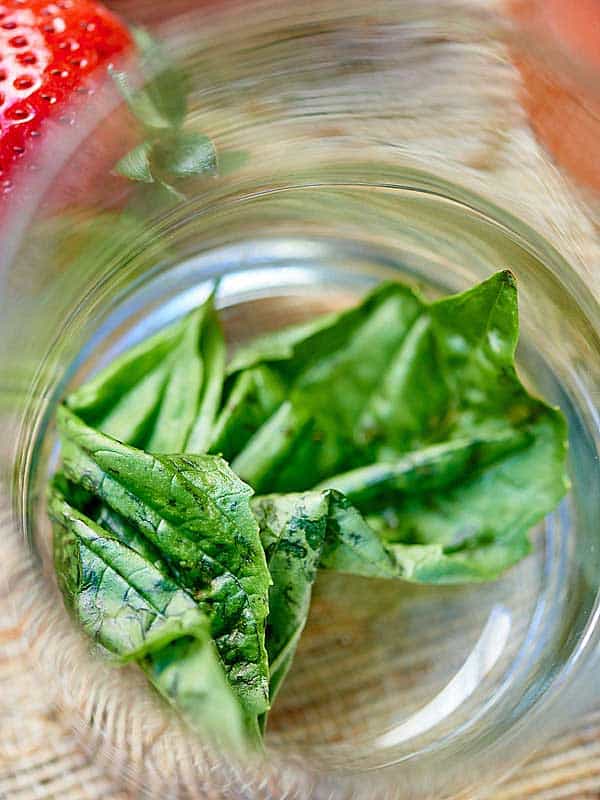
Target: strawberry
{"x": 48, "y": 53}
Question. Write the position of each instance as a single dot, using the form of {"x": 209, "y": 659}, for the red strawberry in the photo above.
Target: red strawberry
{"x": 48, "y": 51}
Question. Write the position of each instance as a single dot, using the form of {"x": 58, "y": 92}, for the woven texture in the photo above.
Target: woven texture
{"x": 41, "y": 758}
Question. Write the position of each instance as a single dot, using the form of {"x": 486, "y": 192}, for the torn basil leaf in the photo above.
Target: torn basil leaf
{"x": 299, "y": 533}
{"x": 126, "y": 604}
{"x": 132, "y": 607}
{"x": 256, "y": 393}
{"x": 314, "y": 434}
{"x": 196, "y": 512}
{"x": 162, "y": 395}
{"x": 429, "y": 428}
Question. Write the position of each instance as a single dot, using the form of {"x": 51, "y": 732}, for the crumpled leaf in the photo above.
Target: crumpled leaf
{"x": 299, "y": 533}
{"x": 127, "y": 604}
{"x": 254, "y": 396}
{"x": 126, "y": 600}
{"x": 188, "y": 673}
{"x": 163, "y": 394}
{"x": 214, "y": 356}
{"x": 438, "y": 441}
{"x": 196, "y": 512}
{"x": 313, "y": 434}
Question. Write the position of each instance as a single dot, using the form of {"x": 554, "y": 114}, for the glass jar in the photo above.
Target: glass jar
{"x": 355, "y": 145}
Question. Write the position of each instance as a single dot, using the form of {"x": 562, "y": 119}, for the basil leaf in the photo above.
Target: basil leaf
{"x": 299, "y": 533}
{"x": 255, "y": 395}
{"x": 292, "y": 529}
{"x": 350, "y": 354}
{"x": 123, "y": 399}
{"x": 481, "y": 520}
{"x": 482, "y": 523}
{"x": 136, "y": 164}
{"x": 409, "y": 406}
{"x": 427, "y": 470}
{"x": 460, "y": 511}
{"x": 187, "y": 672}
{"x": 131, "y": 606}
{"x": 124, "y": 602}
{"x": 179, "y": 405}
{"x": 163, "y": 394}
{"x": 214, "y": 355}
{"x": 185, "y": 154}
{"x": 197, "y": 513}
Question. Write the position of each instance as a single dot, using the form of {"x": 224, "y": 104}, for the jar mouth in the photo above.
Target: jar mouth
{"x": 276, "y": 252}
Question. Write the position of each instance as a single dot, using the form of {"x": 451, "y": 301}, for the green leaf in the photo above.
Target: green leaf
{"x": 482, "y": 522}
{"x": 185, "y": 155}
{"x": 123, "y": 398}
{"x": 196, "y": 512}
{"x": 429, "y": 425}
{"x": 136, "y": 164}
{"x": 129, "y": 603}
{"x": 141, "y": 102}
{"x": 255, "y": 395}
{"x": 410, "y": 403}
{"x": 167, "y": 84}
{"x": 314, "y": 433}
{"x": 292, "y": 529}
{"x": 188, "y": 674}
{"x": 430, "y": 469}
{"x": 125, "y": 603}
{"x": 178, "y": 406}
{"x": 214, "y": 355}
{"x": 163, "y": 394}
{"x": 299, "y": 533}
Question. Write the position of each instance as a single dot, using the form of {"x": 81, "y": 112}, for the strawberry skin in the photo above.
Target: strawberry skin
{"x": 48, "y": 52}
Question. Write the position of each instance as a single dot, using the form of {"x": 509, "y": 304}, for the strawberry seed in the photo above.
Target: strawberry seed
{"x": 23, "y": 82}
{"x": 27, "y": 58}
